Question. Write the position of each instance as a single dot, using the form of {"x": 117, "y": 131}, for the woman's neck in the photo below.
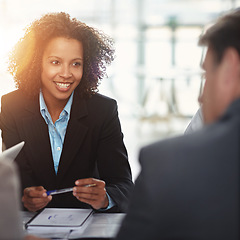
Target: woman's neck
{"x": 55, "y": 109}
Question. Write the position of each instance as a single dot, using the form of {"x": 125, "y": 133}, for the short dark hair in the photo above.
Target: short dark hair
{"x": 223, "y": 34}
{"x": 26, "y": 58}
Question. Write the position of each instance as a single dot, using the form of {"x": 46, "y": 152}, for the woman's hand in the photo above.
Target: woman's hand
{"x": 35, "y": 198}
{"x": 91, "y": 191}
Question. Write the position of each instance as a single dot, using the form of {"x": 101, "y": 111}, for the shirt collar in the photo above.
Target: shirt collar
{"x": 44, "y": 110}
{"x": 68, "y": 106}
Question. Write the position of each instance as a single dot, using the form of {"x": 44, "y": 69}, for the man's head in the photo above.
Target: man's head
{"x": 221, "y": 65}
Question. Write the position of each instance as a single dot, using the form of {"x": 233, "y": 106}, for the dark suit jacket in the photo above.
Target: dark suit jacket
{"x": 93, "y": 147}
{"x": 189, "y": 186}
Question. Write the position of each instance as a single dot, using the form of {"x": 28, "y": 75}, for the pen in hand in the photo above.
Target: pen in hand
{"x": 65, "y": 190}
{"x": 54, "y": 192}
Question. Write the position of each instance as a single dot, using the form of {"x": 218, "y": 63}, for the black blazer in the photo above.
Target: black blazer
{"x": 93, "y": 147}
{"x": 188, "y": 188}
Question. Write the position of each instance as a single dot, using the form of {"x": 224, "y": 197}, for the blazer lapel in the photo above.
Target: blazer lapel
{"x": 37, "y": 138}
{"x": 75, "y": 134}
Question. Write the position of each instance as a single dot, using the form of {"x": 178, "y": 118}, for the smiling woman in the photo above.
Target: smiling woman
{"x": 62, "y": 70}
{"x": 72, "y": 134}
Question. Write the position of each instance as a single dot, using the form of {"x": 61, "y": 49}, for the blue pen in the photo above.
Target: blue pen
{"x": 54, "y": 192}
{"x": 64, "y": 190}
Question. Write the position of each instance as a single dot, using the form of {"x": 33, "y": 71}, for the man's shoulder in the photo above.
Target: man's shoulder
{"x": 8, "y": 175}
{"x": 6, "y": 168}
{"x": 209, "y": 141}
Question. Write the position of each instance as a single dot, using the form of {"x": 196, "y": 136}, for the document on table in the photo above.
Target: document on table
{"x": 58, "y": 221}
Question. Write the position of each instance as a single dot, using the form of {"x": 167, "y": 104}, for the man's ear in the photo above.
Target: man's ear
{"x": 230, "y": 69}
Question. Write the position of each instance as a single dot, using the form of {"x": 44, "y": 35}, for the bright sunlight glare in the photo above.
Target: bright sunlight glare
{"x": 9, "y": 37}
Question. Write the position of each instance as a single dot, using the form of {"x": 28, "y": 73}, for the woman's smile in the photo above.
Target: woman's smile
{"x": 63, "y": 86}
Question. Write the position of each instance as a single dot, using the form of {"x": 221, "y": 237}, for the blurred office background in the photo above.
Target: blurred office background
{"x": 156, "y": 74}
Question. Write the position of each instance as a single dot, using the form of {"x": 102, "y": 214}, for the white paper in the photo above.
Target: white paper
{"x": 60, "y": 218}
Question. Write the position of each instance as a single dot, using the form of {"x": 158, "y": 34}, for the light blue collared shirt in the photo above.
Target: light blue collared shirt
{"x": 56, "y": 130}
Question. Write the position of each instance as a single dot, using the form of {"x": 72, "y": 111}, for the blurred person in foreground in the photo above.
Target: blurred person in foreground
{"x": 188, "y": 187}
{"x": 10, "y": 221}
{"x": 72, "y": 134}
